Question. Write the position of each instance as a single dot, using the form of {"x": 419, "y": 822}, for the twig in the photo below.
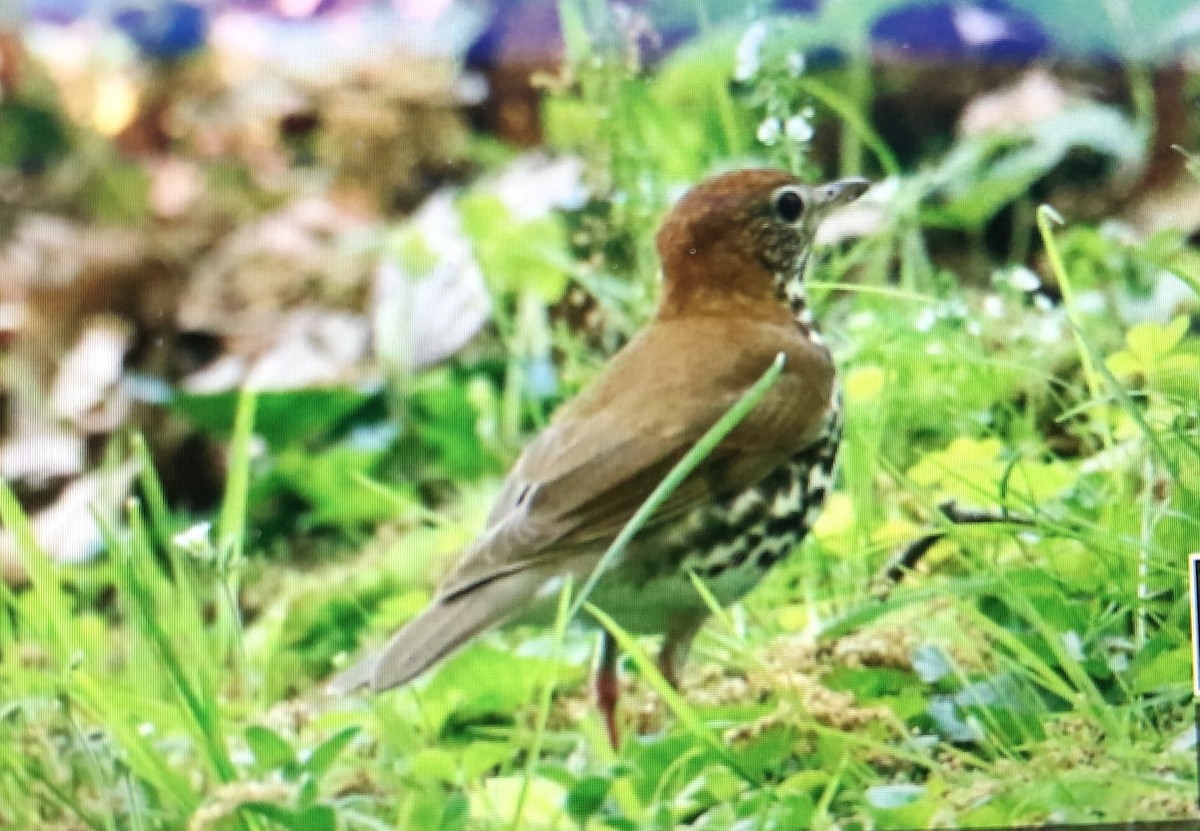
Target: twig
{"x": 910, "y": 557}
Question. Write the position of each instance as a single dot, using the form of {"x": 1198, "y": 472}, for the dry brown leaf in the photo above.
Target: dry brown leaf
{"x": 66, "y": 531}
{"x": 39, "y": 453}
{"x": 1037, "y": 96}
{"x": 86, "y": 388}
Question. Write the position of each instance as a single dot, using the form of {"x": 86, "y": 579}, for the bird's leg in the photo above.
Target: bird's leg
{"x": 608, "y": 688}
{"x": 674, "y": 652}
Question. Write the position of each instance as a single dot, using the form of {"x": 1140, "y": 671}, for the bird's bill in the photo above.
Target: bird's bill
{"x": 840, "y": 192}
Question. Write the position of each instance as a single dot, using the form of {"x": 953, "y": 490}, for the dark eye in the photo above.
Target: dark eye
{"x": 789, "y": 205}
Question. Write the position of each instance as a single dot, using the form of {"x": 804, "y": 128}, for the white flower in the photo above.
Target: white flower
{"x": 1022, "y": 279}
{"x": 195, "y": 540}
{"x": 993, "y": 306}
{"x": 534, "y": 185}
{"x": 1091, "y": 302}
{"x": 798, "y": 129}
{"x": 769, "y": 130}
{"x": 861, "y": 320}
{"x": 1042, "y": 303}
{"x": 796, "y": 63}
{"x": 1049, "y": 330}
{"x": 747, "y": 57}
{"x": 926, "y": 318}
{"x": 1074, "y": 645}
{"x": 973, "y": 328}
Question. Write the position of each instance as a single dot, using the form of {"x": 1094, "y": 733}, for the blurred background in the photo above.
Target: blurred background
{"x": 414, "y": 227}
{"x": 296, "y": 194}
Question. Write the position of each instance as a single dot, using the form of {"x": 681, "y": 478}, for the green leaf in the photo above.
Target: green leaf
{"x": 271, "y": 751}
{"x": 313, "y": 818}
{"x": 587, "y": 796}
{"x": 31, "y": 135}
{"x": 323, "y": 756}
{"x": 515, "y": 256}
{"x": 330, "y": 482}
{"x": 483, "y": 681}
{"x": 982, "y": 175}
{"x": 1170, "y": 669}
{"x": 281, "y": 418}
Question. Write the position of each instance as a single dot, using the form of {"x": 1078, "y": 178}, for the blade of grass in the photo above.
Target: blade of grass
{"x": 144, "y": 759}
{"x": 1046, "y": 215}
{"x": 561, "y": 619}
{"x": 674, "y": 701}
{"x": 90, "y": 758}
{"x": 202, "y": 709}
{"x": 691, "y": 460}
{"x": 54, "y": 611}
{"x": 853, "y": 118}
{"x": 64, "y": 798}
{"x": 231, "y": 526}
{"x": 152, "y": 491}
{"x": 231, "y": 529}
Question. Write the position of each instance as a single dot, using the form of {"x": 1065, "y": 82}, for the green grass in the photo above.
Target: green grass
{"x": 1012, "y": 678}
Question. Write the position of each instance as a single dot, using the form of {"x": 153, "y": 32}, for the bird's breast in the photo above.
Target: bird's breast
{"x": 730, "y": 544}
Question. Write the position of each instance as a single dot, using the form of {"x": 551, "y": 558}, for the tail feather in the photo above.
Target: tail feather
{"x": 438, "y": 631}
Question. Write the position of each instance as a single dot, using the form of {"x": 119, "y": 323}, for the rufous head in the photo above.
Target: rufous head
{"x": 742, "y": 238}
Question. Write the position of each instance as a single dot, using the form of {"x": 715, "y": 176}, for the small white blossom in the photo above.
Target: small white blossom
{"x": 1022, "y": 279}
{"x": 769, "y": 130}
{"x": 534, "y": 185}
{"x": 798, "y": 129}
{"x": 796, "y": 63}
{"x": 973, "y": 328}
{"x": 1074, "y": 645}
{"x": 926, "y": 319}
{"x": 993, "y": 306}
{"x": 1049, "y": 331}
{"x": 1091, "y": 302}
{"x": 861, "y": 320}
{"x": 195, "y": 540}
{"x": 748, "y": 58}
{"x": 1042, "y": 303}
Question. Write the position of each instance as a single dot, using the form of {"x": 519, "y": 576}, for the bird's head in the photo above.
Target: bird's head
{"x": 744, "y": 237}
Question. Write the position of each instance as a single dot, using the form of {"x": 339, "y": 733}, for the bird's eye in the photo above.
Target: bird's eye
{"x": 789, "y": 205}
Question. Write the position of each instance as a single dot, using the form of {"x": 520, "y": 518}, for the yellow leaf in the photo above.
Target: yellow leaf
{"x": 864, "y": 383}
{"x": 1037, "y": 481}
{"x": 894, "y": 532}
{"x": 837, "y": 518}
{"x": 1123, "y": 363}
{"x": 1178, "y": 366}
{"x": 500, "y": 795}
{"x": 1150, "y": 340}
{"x": 959, "y": 455}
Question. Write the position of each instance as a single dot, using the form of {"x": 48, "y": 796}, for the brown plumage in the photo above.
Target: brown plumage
{"x": 733, "y": 251}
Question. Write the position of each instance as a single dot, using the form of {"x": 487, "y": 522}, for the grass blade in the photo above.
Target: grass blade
{"x": 691, "y": 460}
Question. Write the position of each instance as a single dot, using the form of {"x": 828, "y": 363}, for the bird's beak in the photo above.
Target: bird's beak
{"x": 841, "y": 192}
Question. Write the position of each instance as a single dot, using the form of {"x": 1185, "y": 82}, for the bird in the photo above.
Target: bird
{"x": 734, "y": 252}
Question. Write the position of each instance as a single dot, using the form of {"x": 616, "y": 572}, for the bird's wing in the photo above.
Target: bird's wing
{"x": 582, "y": 479}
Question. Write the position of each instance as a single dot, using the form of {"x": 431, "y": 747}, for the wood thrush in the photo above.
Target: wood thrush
{"x": 734, "y": 252}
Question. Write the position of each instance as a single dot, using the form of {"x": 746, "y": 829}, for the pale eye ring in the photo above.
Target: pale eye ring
{"x": 789, "y": 205}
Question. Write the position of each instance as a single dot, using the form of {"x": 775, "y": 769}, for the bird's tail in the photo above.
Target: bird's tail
{"x": 443, "y": 627}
